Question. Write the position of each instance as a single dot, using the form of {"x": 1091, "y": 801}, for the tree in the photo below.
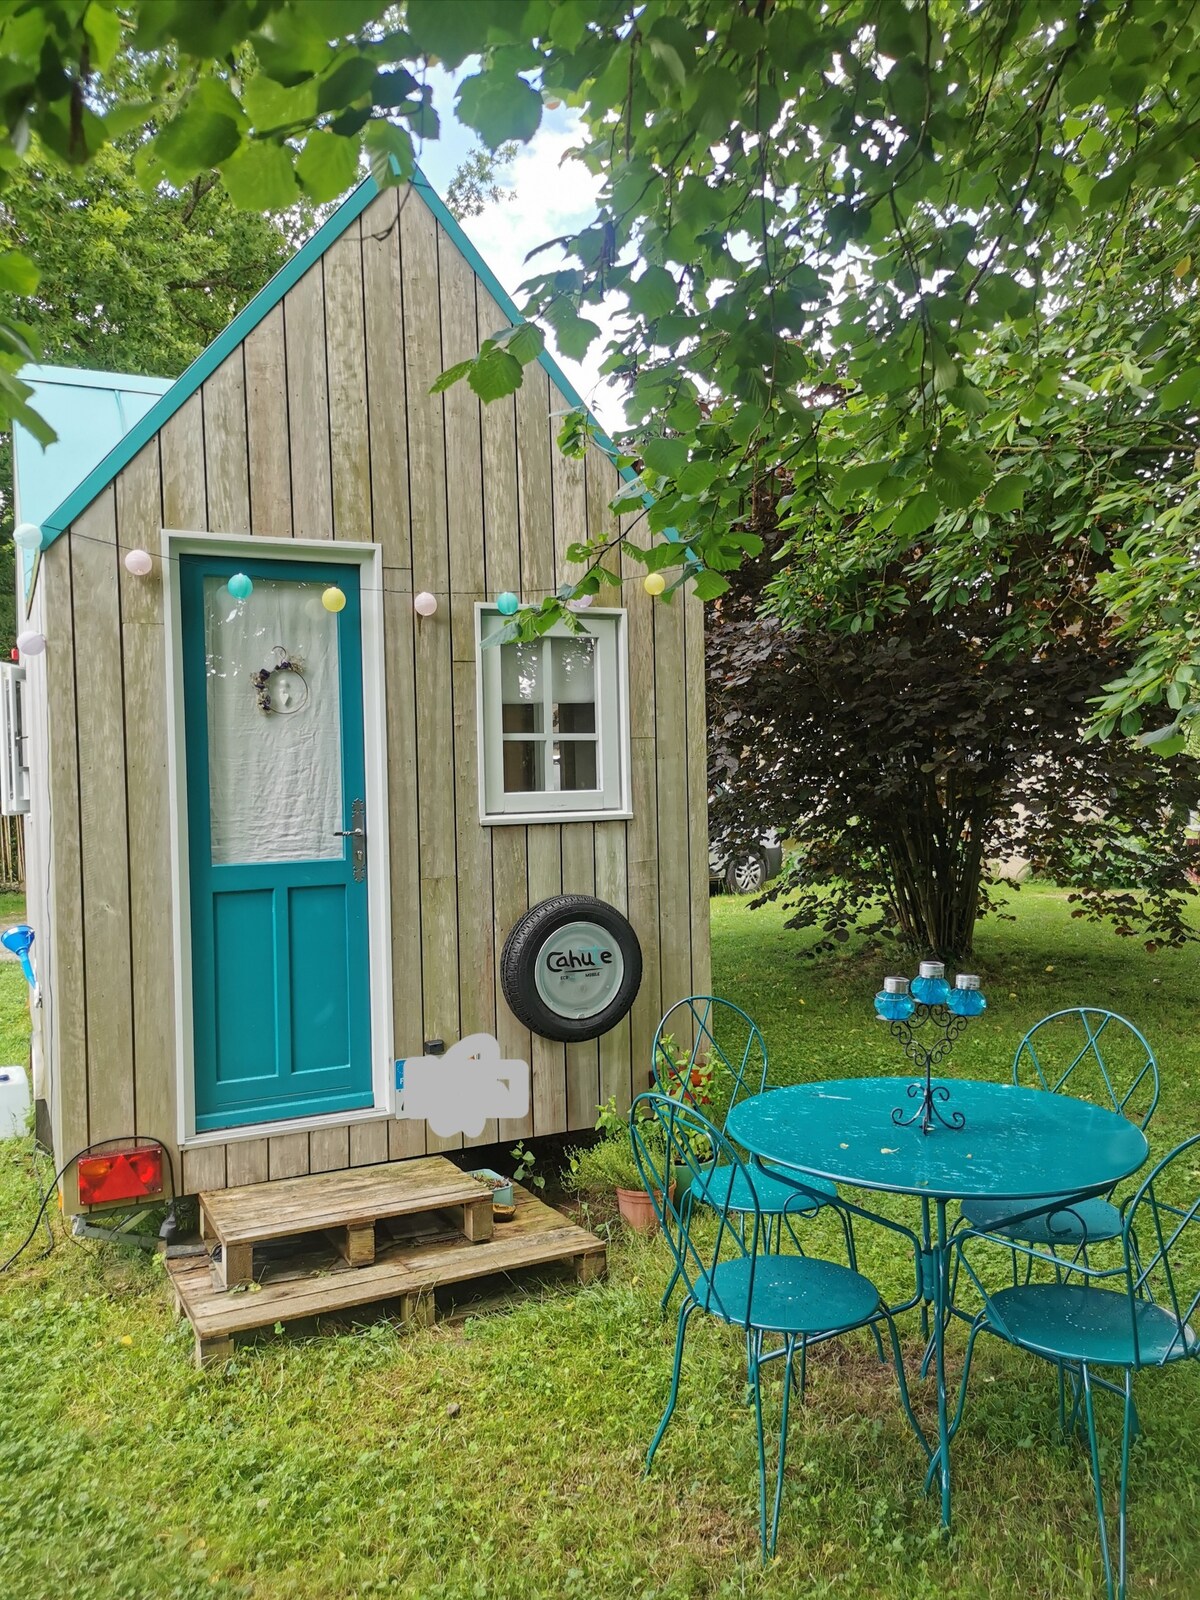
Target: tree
{"x": 795, "y": 194}
{"x": 917, "y": 699}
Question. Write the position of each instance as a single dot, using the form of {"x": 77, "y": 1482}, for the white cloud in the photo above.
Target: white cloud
{"x": 551, "y": 195}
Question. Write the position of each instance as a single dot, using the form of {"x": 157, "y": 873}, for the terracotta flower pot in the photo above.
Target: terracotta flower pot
{"x": 637, "y": 1209}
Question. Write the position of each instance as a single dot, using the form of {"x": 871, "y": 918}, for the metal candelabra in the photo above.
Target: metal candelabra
{"x": 945, "y": 1012}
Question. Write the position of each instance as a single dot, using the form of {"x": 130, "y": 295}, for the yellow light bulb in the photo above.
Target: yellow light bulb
{"x": 333, "y": 599}
{"x": 654, "y": 583}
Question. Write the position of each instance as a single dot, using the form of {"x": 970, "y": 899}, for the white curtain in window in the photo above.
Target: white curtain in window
{"x": 274, "y": 777}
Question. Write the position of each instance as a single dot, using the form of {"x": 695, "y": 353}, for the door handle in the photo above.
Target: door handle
{"x": 357, "y": 832}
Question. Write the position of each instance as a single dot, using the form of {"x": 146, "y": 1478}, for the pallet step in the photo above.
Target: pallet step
{"x": 343, "y": 1206}
{"x": 317, "y": 1280}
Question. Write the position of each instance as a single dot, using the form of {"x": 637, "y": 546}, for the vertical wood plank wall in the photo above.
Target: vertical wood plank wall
{"x": 321, "y": 426}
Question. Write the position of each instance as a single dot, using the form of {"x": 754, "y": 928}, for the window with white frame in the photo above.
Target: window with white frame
{"x": 554, "y": 724}
{"x": 14, "y": 740}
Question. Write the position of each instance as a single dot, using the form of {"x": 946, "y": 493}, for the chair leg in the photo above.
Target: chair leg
{"x": 905, "y": 1400}
{"x": 976, "y": 1330}
{"x": 789, "y": 1352}
{"x": 685, "y": 1312}
{"x": 685, "y": 1215}
{"x": 1128, "y": 1434}
{"x": 852, "y": 1260}
{"x": 1090, "y": 1413}
{"x": 755, "y": 1346}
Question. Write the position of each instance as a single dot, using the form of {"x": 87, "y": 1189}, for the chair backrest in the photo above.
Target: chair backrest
{"x": 1094, "y": 1054}
{"x": 709, "y": 1053}
{"x": 1162, "y": 1248}
{"x": 668, "y": 1134}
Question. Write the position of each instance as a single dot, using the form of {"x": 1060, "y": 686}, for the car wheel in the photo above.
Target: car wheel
{"x": 746, "y": 873}
{"x": 571, "y": 967}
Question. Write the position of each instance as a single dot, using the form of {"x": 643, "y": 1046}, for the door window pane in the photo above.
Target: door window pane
{"x": 274, "y": 736}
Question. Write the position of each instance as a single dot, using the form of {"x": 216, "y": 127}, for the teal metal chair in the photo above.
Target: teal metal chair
{"x": 709, "y": 1053}
{"x": 1128, "y": 1318}
{"x": 1095, "y": 1055}
{"x": 801, "y": 1300}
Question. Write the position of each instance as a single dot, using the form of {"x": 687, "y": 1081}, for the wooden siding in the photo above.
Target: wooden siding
{"x": 321, "y": 426}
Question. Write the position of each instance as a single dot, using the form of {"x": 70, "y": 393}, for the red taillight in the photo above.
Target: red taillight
{"x": 120, "y": 1175}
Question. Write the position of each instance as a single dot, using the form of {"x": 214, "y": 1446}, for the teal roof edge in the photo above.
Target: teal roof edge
{"x": 253, "y": 313}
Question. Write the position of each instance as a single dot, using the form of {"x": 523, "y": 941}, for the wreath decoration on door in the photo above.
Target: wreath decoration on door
{"x": 281, "y": 687}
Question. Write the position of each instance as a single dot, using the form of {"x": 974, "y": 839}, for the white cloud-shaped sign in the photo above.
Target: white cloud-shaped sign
{"x": 458, "y": 1092}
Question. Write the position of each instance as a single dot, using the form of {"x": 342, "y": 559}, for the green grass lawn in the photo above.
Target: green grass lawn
{"x": 503, "y": 1458}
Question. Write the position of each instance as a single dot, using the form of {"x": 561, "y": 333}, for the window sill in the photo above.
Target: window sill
{"x": 560, "y": 818}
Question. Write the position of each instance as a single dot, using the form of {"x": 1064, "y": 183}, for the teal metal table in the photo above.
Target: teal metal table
{"x": 1017, "y": 1144}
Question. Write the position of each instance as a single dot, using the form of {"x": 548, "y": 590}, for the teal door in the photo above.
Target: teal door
{"x": 280, "y": 958}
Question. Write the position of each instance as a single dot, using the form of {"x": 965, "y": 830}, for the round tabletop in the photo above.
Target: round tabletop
{"x": 1018, "y": 1144}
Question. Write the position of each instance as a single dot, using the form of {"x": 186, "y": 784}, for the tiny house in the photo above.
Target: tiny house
{"x": 285, "y": 806}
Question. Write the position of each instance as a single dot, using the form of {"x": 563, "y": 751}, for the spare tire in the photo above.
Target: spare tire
{"x": 571, "y": 967}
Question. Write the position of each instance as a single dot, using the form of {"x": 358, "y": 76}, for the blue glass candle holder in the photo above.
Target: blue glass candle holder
{"x": 893, "y": 1003}
{"x": 930, "y": 986}
{"x": 965, "y": 998}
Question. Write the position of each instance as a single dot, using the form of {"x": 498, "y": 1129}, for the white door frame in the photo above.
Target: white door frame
{"x": 368, "y": 558}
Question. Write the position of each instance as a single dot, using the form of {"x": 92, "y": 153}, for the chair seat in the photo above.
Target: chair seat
{"x": 1076, "y": 1222}
{"x": 727, "y": 1188}
{"x": 791, "y": 1294}
{"x": 1074, "y": 1322}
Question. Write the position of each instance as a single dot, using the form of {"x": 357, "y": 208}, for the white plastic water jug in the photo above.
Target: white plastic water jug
{"x": 14, "y": 1102}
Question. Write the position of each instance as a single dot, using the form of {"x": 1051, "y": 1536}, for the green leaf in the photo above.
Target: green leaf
{"x": 389, "y": 152}
{"x": 451, "y": 33}
{"x": 961, "y": 475}
{"x": 667, "y": 456}
{"x": 260, "y": 177}
{"x": 697, "y": 476}
{"x": 708, "y": 585}
{"x": 328, "y": 165}
{"x": 451, "y": 376}
{"x": 196, "y": 140}
{"x": 494, "y": 375}
{"x": 919, "y": 513}
{"x": 18, "y": 275}
{"x": 350, "y": 81}
{"x": 526, "y": 342}
{"x": 273, "y": 105}
{"x": 499, "y": 106}
{"x": 654, "y": 293}
{"x": 103, "y": 28}
{"x": 1007, "y": 494}
{"x": 1181, "y": 391}
{"x": 574, "y": 335}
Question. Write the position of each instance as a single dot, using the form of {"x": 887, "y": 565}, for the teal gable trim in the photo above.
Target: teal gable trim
{"x": 207, "y": 363}
{"x": 145, "y": 429}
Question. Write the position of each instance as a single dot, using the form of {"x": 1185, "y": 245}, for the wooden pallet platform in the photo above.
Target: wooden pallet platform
{"x": 344, "y": 1205}
{"x": 427, "y": 1256}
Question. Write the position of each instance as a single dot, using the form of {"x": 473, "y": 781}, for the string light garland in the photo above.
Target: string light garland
{"x": 139, "y": 563}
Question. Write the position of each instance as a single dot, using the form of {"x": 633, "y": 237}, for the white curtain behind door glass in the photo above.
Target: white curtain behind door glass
{"x": 274, "y": 779}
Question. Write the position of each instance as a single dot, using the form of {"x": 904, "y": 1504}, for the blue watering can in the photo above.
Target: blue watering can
{"x": 20, "y": 940}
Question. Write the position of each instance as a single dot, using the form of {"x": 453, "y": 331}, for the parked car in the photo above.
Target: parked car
{"x": 746, "y": 867}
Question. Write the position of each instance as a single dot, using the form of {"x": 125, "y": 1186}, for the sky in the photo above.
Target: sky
{"x": 545, "y": 195}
